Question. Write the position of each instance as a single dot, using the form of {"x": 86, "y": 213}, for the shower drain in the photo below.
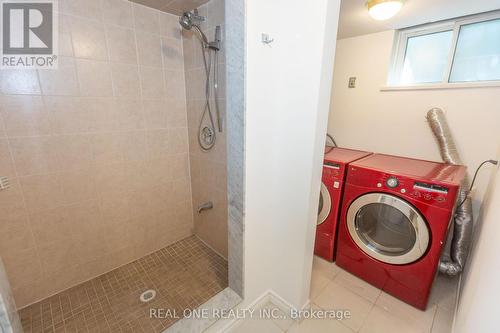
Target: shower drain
{"x": 148, "y": 296}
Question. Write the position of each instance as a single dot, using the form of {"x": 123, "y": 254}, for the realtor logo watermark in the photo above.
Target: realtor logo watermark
{"x": 29, "y": 34}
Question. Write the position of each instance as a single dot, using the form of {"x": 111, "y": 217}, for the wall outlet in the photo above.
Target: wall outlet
{"x": 352, "y": 82}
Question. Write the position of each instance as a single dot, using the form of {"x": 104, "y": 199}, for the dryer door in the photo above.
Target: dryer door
{"x": 388, "y": 228}
{"x": 325, "y": 204}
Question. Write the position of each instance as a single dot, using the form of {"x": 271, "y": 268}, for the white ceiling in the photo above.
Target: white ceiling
{"x": 355, "y": 21}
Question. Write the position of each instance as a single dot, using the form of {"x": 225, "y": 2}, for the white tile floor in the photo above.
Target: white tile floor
{"x": 372, "y": 311}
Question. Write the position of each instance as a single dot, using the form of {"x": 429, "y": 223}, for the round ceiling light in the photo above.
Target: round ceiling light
{"x": 383, "y": 9}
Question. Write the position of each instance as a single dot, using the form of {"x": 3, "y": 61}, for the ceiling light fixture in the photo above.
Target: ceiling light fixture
{"x": 383, "y": 9}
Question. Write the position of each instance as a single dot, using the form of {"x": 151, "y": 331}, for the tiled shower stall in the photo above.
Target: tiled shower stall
{"x": 105, "y": 168}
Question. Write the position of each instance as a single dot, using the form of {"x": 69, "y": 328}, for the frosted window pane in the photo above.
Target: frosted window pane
{"x": 426, "y": 58}
{"x": 477, "y": 57}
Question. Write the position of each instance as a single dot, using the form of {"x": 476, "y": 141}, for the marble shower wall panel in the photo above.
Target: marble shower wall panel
{"x": 9, "y": 319}
{"x": 235, "y": 107}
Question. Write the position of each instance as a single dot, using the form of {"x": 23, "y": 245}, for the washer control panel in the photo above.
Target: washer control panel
{"x": 429, "y": 192}
{"x": 425, "y": 190}
{"x": 418, "y": 190}
{"x": 332, "y": 169}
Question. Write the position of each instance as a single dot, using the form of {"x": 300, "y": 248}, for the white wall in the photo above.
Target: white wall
{"x": 394, "y": 122}
{"x": 288, "y": 90}
{"x": 478, "y": 305}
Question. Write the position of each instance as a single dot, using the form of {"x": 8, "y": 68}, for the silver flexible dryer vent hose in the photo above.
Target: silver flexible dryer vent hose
{"x": 453, "y": 259}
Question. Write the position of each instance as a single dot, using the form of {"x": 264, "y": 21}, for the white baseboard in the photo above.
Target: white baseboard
{"x": 268, "y": 296}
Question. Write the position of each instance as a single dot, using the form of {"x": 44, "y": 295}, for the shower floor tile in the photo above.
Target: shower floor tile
{"x": 184, "y": 275}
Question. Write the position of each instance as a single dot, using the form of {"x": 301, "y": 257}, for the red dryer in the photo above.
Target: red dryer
{"x": 334, "y": 170}
{"x": 394, "y": 222}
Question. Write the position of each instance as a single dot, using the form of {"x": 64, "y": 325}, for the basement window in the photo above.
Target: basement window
{"x": 465, "y": 50}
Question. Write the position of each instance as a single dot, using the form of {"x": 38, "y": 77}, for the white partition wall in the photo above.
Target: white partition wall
{"x": 288, "y": 84}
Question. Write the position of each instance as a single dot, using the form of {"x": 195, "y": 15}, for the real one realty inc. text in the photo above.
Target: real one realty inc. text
{"x": 263, "y": 313}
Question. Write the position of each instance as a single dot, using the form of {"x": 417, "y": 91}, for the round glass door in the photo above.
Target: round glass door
{"x": 325, "y": 205}
{"x": 388, "y": 228}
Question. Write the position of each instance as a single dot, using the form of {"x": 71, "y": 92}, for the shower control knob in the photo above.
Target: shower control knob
{"x": 392, "y": 182}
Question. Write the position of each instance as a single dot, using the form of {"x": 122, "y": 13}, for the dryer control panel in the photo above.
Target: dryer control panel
{"x": 333, "y": 170}
{"x": 432, "y": 193}
{"x": 428, "y": 191}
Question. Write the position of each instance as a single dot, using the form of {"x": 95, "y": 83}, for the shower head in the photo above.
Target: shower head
{"x": 189, "y": 21}
{"x": 185, "y": 21}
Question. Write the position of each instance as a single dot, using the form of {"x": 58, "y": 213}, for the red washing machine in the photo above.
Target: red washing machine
{"x": 394, "y": 222}
{"x": 334, "y": 170}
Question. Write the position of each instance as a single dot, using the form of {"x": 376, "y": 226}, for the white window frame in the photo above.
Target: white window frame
{"x": 401, "y": 42}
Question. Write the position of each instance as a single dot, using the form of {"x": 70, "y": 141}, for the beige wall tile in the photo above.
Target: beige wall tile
{"x": 79, "y": 185}
{"x": 178, "y": 138}
{"x": 121, "y": 44}
{"x": 67, "y": 114}
{"x": 50, "y": 226}
{"x": 56, "y": 281}
{"x": 107, "y": 148}
{"x": 128, "y": 114}
{"x": 118, "y": 12}
{"x": 126, "y": 80}
{"x": 42, "y": 192}
{"x": 149, "y": 49}
{"x": 85, "y": 219}
{"x": 172, "y": 53}
{"x": 180, "y": 165}
{"x": 152, "y": 84}
{"x": 56, "y": 255}
{"x": 35, "y": 155}
{"x": 110, "y": 179}
{"x": 6, "y": 163}
{"x": 23, "y": 267}
{"x": 158, "y": 143}
{"x": 86, "y": 8}
{"x": 158, "y": 170}
{"x": 19, "y": 81}
{"x": 146, "y": 19}
{"x": 89, "y": 40}
{"x": 61, "y": 81}
{"x": 100, "y": 113}
{"x": 135, "y": 147}
{"x": 169, "y": 26}
{"x": 115, "y": 208}
{"x": 65, "y": 44}
{"x": 24, "y": 116}
{"x": 155, "y": 113}
{"x": 176, "y": 113}
{"x": 174, "y": 84}
{"x": 94, "y": 77}
{"x": 15, "y": 234}
{"x": 2, "y": 128}
{"x": 25, "y": 295}
{"x": 12, "y": 206}
{"x": 74, "y": 152}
